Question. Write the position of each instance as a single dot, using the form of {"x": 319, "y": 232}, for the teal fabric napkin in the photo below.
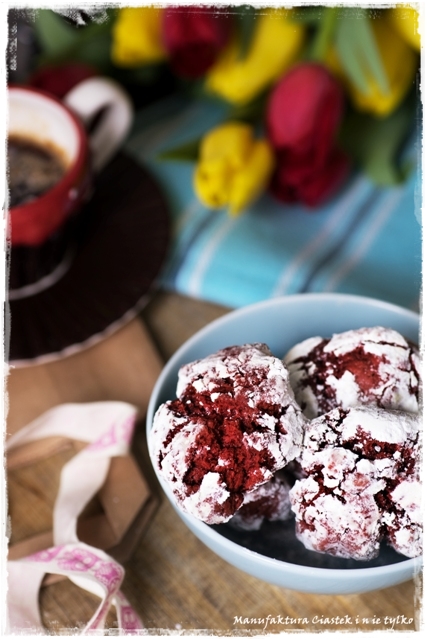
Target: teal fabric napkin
{"x": 365, "y": 241}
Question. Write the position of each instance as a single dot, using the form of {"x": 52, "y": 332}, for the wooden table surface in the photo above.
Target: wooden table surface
{"x": 173, "y": 581}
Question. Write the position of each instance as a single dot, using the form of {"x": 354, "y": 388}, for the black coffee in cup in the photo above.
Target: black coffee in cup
{"x": 33, "y": 169}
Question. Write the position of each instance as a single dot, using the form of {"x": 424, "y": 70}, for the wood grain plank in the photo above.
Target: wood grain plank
{"x": 174, "y": 582}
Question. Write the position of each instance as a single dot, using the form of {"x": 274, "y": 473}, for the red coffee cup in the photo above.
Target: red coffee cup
{"x": 40, "y": 230}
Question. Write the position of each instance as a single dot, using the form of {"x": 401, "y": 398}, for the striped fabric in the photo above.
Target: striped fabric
{"x": 366, "y": 241}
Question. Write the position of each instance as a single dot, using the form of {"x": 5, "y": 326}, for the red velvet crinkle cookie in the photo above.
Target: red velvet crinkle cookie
{"x": 234, "y": 424}
{"x": 365, "y": 366}
{"x": 270, "y": 501}
{"x": 363, "y": 468}
{"x": 404, "y": 522}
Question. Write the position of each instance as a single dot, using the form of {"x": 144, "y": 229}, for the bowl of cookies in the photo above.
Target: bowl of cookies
{"x": 286, "y": 435}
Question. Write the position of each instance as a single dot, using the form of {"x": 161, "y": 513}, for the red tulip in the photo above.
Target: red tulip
{"x": 193, "y": 37}
{"x": 60, "y": 79}
{"x": 304, "y": 110}
{"x": 316, "y": 187}
{"x": 303, "y": 115}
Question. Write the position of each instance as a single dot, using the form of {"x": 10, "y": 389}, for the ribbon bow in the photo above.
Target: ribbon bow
{"x": 108, "y": 428}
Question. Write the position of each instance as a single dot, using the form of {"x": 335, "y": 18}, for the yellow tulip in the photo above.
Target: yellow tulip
{"x": 405, "y": 20}
{"x": 399, "y": 62}
{"x": 233, "y": 168}
{"x": 276, "y": 43}
{"x": 137, "y": 37}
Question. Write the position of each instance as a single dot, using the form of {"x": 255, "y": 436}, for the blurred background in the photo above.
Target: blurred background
{"x": 287, "y": 142}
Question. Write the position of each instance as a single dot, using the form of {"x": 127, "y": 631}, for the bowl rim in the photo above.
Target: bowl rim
{"x": 300, "y": 569}
{"x": 211, "y": 534}
{"x": 270, "y": 302}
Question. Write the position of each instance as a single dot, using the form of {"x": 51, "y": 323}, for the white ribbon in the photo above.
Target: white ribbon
{"x": 108, "y": 428}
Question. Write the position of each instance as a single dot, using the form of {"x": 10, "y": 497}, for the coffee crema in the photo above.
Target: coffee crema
{"x": 33, "y": 169}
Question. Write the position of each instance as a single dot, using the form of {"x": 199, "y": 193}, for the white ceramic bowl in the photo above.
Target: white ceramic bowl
{"x": 273, "y": 554}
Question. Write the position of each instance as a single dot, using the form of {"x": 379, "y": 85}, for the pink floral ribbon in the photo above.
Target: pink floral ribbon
{"x": 108, "y": 428}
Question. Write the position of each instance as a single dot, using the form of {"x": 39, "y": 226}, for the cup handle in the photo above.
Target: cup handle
{"x": 86, "y": 100}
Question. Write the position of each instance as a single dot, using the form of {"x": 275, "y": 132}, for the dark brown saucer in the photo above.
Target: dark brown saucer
{"x": 122, "y": 243}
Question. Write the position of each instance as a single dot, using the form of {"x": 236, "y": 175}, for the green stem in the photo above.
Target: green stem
{"x": 325, "y": 33}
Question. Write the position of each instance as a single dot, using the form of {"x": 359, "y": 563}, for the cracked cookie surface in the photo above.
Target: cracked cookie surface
{"x": 234, "y": 424}
{"x": 362, "y": 466}
{"x": 270, "y": 501}
{"x": 372, "y": 365}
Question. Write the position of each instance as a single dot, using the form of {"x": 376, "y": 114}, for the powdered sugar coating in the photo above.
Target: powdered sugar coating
{"x": 348, "y": 529}
{"x": 250, "y": 371}
{"x": 405, "y": 522}
{"x": 234, "y": 424}
{"x": 358, "y": 462}
{"x": 270, "y": 501}
{"x": 372, "y": 365}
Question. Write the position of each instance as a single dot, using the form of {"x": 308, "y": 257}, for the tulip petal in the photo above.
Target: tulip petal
{"x": 304, "y": 111}
{"x": 405, "y": 20}
{"x": 137, "y": 38}
{"x": 232, "y": 140}
{"x": 275, "y": 45}
{"x": 400, "y": 64}
{"x": 249, "y": 183}
{"x": 194, "y": 36}
{"x": 212, "y": 183}
{"x": 233, "y": 167}
{"x": 324, "y": 183}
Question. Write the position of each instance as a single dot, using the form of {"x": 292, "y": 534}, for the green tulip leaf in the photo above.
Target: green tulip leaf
{"x": 309, "y": 16}
{"x": 357, "y": 49}
{"x": 372, "y": 57}
{"x": 251, "y": 112}
{"x": 144, "y": 75}
{"x": 61, "y": 41}
{"x": 187, "y": 152}
{"x": 375, "y": 143}
{"x": 325, "y": 33}
{"x": 94, "y": 51}
{"x": 247, "y": 21}
{"x": 53, "y": 33}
